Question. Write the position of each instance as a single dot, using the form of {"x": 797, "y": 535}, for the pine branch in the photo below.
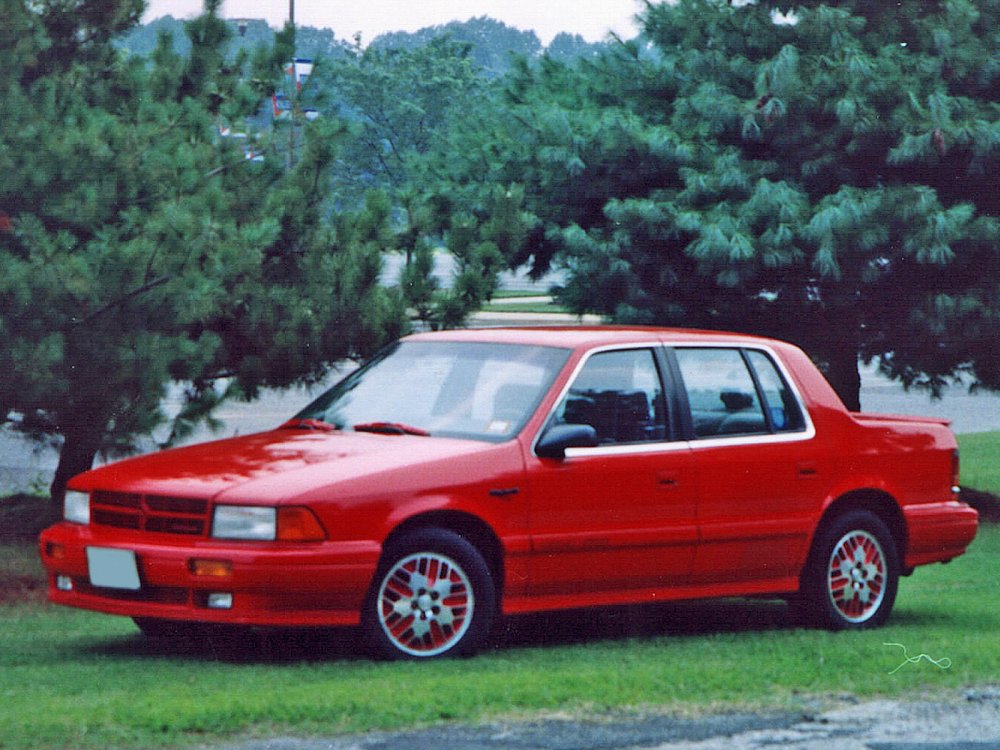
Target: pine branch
{"x": 148, "y": 286}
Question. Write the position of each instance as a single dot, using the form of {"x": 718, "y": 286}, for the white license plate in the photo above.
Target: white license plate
{"x": 113, "y": 568}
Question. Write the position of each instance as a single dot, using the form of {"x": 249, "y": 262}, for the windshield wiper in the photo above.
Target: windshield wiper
{"x": 390, "y": 428}
{"x": 308, "y": 424}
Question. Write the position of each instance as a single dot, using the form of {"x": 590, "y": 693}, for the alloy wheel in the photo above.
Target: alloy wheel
{"x": 856, "y": 576}
{"x": 425, "y": 604}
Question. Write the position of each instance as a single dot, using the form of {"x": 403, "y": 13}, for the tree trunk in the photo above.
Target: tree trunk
{"x": 77, "y": 455}
{"x": 844, "y": 375}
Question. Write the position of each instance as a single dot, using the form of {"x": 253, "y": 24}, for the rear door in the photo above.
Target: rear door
{"x": 760, "y": 471}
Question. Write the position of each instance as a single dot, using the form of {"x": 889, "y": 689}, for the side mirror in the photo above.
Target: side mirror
{"x": 557, "y": 439}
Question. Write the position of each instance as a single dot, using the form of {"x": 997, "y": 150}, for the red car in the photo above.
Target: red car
{"x": 465, "y": 475}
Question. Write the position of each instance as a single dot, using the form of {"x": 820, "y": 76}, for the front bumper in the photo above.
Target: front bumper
{"x": 271, "y": 584}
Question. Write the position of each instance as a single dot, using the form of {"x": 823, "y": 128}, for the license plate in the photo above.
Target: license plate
{"x": 113, "y": 568}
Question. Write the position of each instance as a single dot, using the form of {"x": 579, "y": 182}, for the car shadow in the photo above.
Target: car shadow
{"x": 605, "y": 624}
{"x": 646, "y": 621}
{"x": 239, "y": 645}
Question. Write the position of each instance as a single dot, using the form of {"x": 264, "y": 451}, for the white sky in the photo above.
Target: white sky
{"x": 592, "y": 19}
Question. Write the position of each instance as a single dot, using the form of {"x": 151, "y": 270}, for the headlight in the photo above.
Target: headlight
{"x": 76, "y": 507}
{"x": 244, "y": 522}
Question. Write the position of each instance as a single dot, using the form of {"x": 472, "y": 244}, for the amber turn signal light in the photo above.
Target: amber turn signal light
{"x": 211, "y": 568}
{"x": 298, "y": 524}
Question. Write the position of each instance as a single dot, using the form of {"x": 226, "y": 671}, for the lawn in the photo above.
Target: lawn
{"x": 522, "y": 302}
{"x": 72, "y": 679}
{"x": 980, "y": 455}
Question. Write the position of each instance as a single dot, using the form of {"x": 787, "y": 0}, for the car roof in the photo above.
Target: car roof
{"x": 573, "y": 337}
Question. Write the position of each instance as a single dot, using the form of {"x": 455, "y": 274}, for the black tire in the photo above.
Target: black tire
{"x": 432, "y": 596}
{"x": 850, "y": 580}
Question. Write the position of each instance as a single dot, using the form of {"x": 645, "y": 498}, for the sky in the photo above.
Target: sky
{"x": 592, "y": 19}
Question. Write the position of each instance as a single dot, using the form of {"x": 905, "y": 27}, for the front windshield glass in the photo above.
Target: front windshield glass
{"x": 479, "y": 391}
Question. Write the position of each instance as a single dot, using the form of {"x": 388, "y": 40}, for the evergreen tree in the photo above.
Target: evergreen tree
{"x": 831, "y": 179}
{"x": 138, "y": 246}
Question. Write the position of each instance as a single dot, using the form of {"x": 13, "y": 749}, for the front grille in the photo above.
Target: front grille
{"x": 153, "y": 594}
{"x": 153, "y": 513}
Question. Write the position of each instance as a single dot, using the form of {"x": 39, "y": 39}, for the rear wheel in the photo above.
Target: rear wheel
{"x": 433, "y": 595}
{"x": 851, "y": 578}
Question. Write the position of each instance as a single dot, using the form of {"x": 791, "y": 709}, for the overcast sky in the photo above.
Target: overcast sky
{"x": 592, "y": 19}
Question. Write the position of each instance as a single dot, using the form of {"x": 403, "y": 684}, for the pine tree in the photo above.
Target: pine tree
{"x": 831, "y": 178}
{"x": 139, "y": 247}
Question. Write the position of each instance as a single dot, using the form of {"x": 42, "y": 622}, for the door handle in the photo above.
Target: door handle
{"x": 807, "y": 470}
{"x": 666, "y": 480}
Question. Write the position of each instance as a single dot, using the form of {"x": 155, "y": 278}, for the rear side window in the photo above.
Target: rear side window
{"x": 736, "y": 392}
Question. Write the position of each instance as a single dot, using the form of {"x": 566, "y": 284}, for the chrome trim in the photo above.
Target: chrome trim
{"x": 757, "y": 439}
{"x": 669, "y": 446}
{"x": 692, "y": 445}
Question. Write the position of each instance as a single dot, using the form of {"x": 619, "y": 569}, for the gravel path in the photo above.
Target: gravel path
{"x": 967, "y": 721}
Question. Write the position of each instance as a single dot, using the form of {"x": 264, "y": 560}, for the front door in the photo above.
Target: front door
{"x": 613, "y": 521}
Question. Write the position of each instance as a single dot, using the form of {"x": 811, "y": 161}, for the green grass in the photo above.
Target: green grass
{"x": 980, "y": 452}
{"x": 72, "y": 679}
{"x": 522, "y": 302}
{"x": 516, "y": 294}
{"x": 524, "y": 307}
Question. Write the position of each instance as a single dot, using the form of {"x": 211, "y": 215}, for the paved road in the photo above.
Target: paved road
{"x": 962, "y": 722}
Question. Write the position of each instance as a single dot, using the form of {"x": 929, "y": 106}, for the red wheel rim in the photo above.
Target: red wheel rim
{"x": 425, "y": 604}
{"x": 856, "y": 576}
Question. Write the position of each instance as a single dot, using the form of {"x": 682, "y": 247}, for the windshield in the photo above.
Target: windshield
{"x": 478, "y": 391}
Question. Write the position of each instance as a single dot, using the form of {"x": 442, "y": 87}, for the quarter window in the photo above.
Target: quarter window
{"x": 620, "y": 395}
{"x": 781, "y": 405}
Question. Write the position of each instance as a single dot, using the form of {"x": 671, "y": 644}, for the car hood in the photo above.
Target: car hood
{"x": 276, "y": 466}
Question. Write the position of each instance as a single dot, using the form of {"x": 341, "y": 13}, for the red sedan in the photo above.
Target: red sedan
{"x": 465, "y": 475}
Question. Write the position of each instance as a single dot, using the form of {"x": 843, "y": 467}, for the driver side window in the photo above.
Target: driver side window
{"x": 620, "y": 395}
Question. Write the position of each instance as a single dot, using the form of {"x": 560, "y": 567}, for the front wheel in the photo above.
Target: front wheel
{"x": 851, "y": 578}
{"x": 433, "y": 595}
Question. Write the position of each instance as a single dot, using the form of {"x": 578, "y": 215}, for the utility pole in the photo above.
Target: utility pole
{"x": 293, "y": 93}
